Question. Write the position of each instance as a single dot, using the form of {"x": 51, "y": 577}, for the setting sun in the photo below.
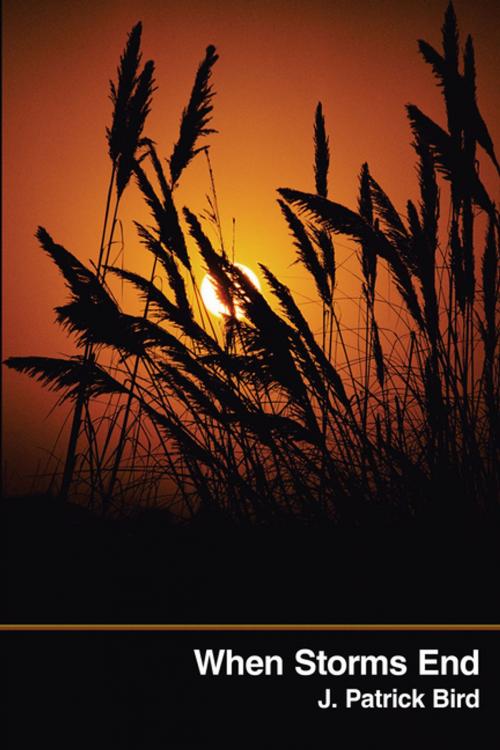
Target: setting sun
{"x": 211, "y": 298}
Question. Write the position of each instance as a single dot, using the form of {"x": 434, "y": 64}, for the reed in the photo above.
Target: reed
{"x": 268, "y": 420}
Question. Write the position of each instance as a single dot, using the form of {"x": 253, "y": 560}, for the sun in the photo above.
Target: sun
{"x": 211, "y": 298}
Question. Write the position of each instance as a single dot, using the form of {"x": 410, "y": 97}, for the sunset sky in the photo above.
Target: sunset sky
{"x": 277, "y": 60}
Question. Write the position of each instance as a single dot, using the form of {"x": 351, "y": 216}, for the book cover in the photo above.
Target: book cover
{"x": 250, "y": 370}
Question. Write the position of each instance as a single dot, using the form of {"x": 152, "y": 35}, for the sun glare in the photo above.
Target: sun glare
{"x": 212, "y": 300}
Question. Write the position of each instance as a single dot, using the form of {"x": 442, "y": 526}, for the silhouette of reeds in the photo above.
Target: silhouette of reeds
{"x": 263, "y": 419}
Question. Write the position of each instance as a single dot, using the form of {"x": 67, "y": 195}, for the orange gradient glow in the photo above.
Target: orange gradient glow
{"x": 277, "y": 60}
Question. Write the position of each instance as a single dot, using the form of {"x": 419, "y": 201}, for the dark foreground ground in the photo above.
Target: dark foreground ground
{"x": 67, "y": 566}
{"x": 142, "y": 690}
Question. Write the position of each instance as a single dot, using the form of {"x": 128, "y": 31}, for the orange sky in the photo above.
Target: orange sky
{"x": 277, "y": 59}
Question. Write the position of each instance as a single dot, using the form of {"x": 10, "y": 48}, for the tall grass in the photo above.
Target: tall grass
{"x": 261, "y": 418}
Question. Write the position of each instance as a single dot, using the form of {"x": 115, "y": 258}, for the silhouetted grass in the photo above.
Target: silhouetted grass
{"x": 258, "y": 421}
